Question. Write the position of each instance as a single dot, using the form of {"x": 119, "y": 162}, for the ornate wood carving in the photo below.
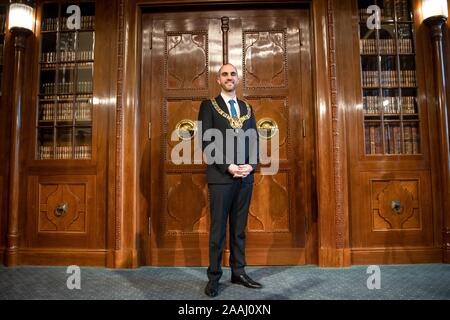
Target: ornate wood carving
{"x": 270, "y": 214}
{"x": 185, "y": 47}
{"x": 119, "y": 126}
{"x": 395, "y": 205}
{"x": 186, "y": 204}
{"x": 396, "y": 210}
{"x": 225, "y": 27}
{"x": 265, "y": 60}
{"x": 178, "y": 223}
{"x": 71, "y": 198}
{"x": 336, "y": 120}
{"x": 183, "y": 215}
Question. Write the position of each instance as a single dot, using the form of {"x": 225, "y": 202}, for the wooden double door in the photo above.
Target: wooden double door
{"x": 181, "y": 55}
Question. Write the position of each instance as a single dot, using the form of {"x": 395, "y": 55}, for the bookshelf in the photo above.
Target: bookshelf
{"x": 388, "y": 80}
{"x": 65, "y": 94}
{"x": 3, "y": 11}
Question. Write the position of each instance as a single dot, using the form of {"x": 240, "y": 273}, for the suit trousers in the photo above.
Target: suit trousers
{"x": 228, "y": 202}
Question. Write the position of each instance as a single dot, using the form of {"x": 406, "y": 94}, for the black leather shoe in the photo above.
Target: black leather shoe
{"x": 212, "y": 289}
{"x": 245, "y": 280}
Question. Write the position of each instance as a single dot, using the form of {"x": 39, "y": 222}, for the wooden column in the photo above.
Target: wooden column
{"x": 331, "y": 164}
{"x": 435, "y": 24}
{"x": 225, "y": 28}
{"x": 14, "y": 179}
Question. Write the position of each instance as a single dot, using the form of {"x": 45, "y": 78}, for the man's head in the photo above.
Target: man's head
{"x": 228, "y": 78}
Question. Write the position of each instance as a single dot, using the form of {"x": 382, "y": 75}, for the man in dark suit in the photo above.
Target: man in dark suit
{"x": 231, "y": 164}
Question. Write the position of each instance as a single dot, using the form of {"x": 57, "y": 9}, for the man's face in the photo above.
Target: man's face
{"x": 228, "y": 78}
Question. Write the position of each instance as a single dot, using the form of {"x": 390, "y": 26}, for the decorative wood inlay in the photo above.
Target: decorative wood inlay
{"x": 265, "y": 60}
{"x": 395, "y": 205}
{"x": 119, "y": 125}
{"x": 186, "y": 204}
{"x": 337, "y": 153}
{"x": 191, "y": 48}
{"x": 73, "y": 196}
{"x": 270, "y": 214}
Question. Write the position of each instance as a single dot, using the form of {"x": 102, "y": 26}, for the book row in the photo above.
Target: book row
{"x": 389, "y": 78}
{"x": 65, "y": 112}
{"x": 386, "y": 46}
{"x": 51, "y": 24}
{"x": 67, "y": 56}
{"x": 389, "y": 10}
{"x": 65, "y": 152}
{"x": 390, "y": 105}
{"x": 393, "y": 140}
{"x": 67, "y": 87}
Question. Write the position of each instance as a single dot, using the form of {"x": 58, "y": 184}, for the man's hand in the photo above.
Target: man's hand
{"x": 241, "y": 171}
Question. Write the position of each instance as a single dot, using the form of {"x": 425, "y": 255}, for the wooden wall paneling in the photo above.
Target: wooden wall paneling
{"x": 5, "y": 127}
{"x": 178, "y": 107}
{"x": 144, "y": 156}
{"x": 309, "y": 127}
{"x": 343, "y": 103}
{"x": 446, "y": 229}
{"x": 331, "y": 206}
{"x": 144, "y": 128}
{"x": 78, "y": 227}
{"x": 423, "y": 169}
{"x": 114, "y": 28}
{"x": 105, "y": 108}
{"x": 329, "y": 253}
{"x": 62, "y": 172}
{"x": 427, "y": 99}
{"x": 127, "y": 125}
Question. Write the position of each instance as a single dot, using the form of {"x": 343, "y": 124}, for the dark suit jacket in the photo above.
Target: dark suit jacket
{"x": 211, "y": 119}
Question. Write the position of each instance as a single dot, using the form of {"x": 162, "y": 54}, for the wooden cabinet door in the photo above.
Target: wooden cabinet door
{"x": 181, "y": 54}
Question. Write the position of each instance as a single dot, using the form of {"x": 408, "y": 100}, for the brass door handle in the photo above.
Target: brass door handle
{"x": 186, "y": 129}
{"x": 267, "y": 128}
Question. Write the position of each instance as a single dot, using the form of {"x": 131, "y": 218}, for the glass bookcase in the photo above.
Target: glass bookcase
{"x": 3, "y": 9}
{"x": 388, "y": 74}
{"x": 66, "y": 67}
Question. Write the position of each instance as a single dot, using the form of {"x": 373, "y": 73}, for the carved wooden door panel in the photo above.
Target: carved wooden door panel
{"x": 181, "y": 54}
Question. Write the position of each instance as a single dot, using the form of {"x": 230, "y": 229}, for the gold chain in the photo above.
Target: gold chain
{"x": 235, "y": 122}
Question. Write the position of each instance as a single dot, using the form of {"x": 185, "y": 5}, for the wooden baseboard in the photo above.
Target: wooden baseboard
{"x": 200, "y": 257}
{"x": 334, "y": 258}
{"x": 179, "y": 257}
{"x": 446, "y": 256}
{"x": 126, "y": 258}
{"x": 396, "y": 255}
{"x": 2, "y": 256}
{"x": 58, "y": 257}
{"x": 274, "y": 257}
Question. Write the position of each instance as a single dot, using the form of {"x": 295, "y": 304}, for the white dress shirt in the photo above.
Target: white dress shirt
{"x": 227, "y": 101}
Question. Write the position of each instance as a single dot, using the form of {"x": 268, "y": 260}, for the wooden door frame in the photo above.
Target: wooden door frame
{"x": 329, "y": 231}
